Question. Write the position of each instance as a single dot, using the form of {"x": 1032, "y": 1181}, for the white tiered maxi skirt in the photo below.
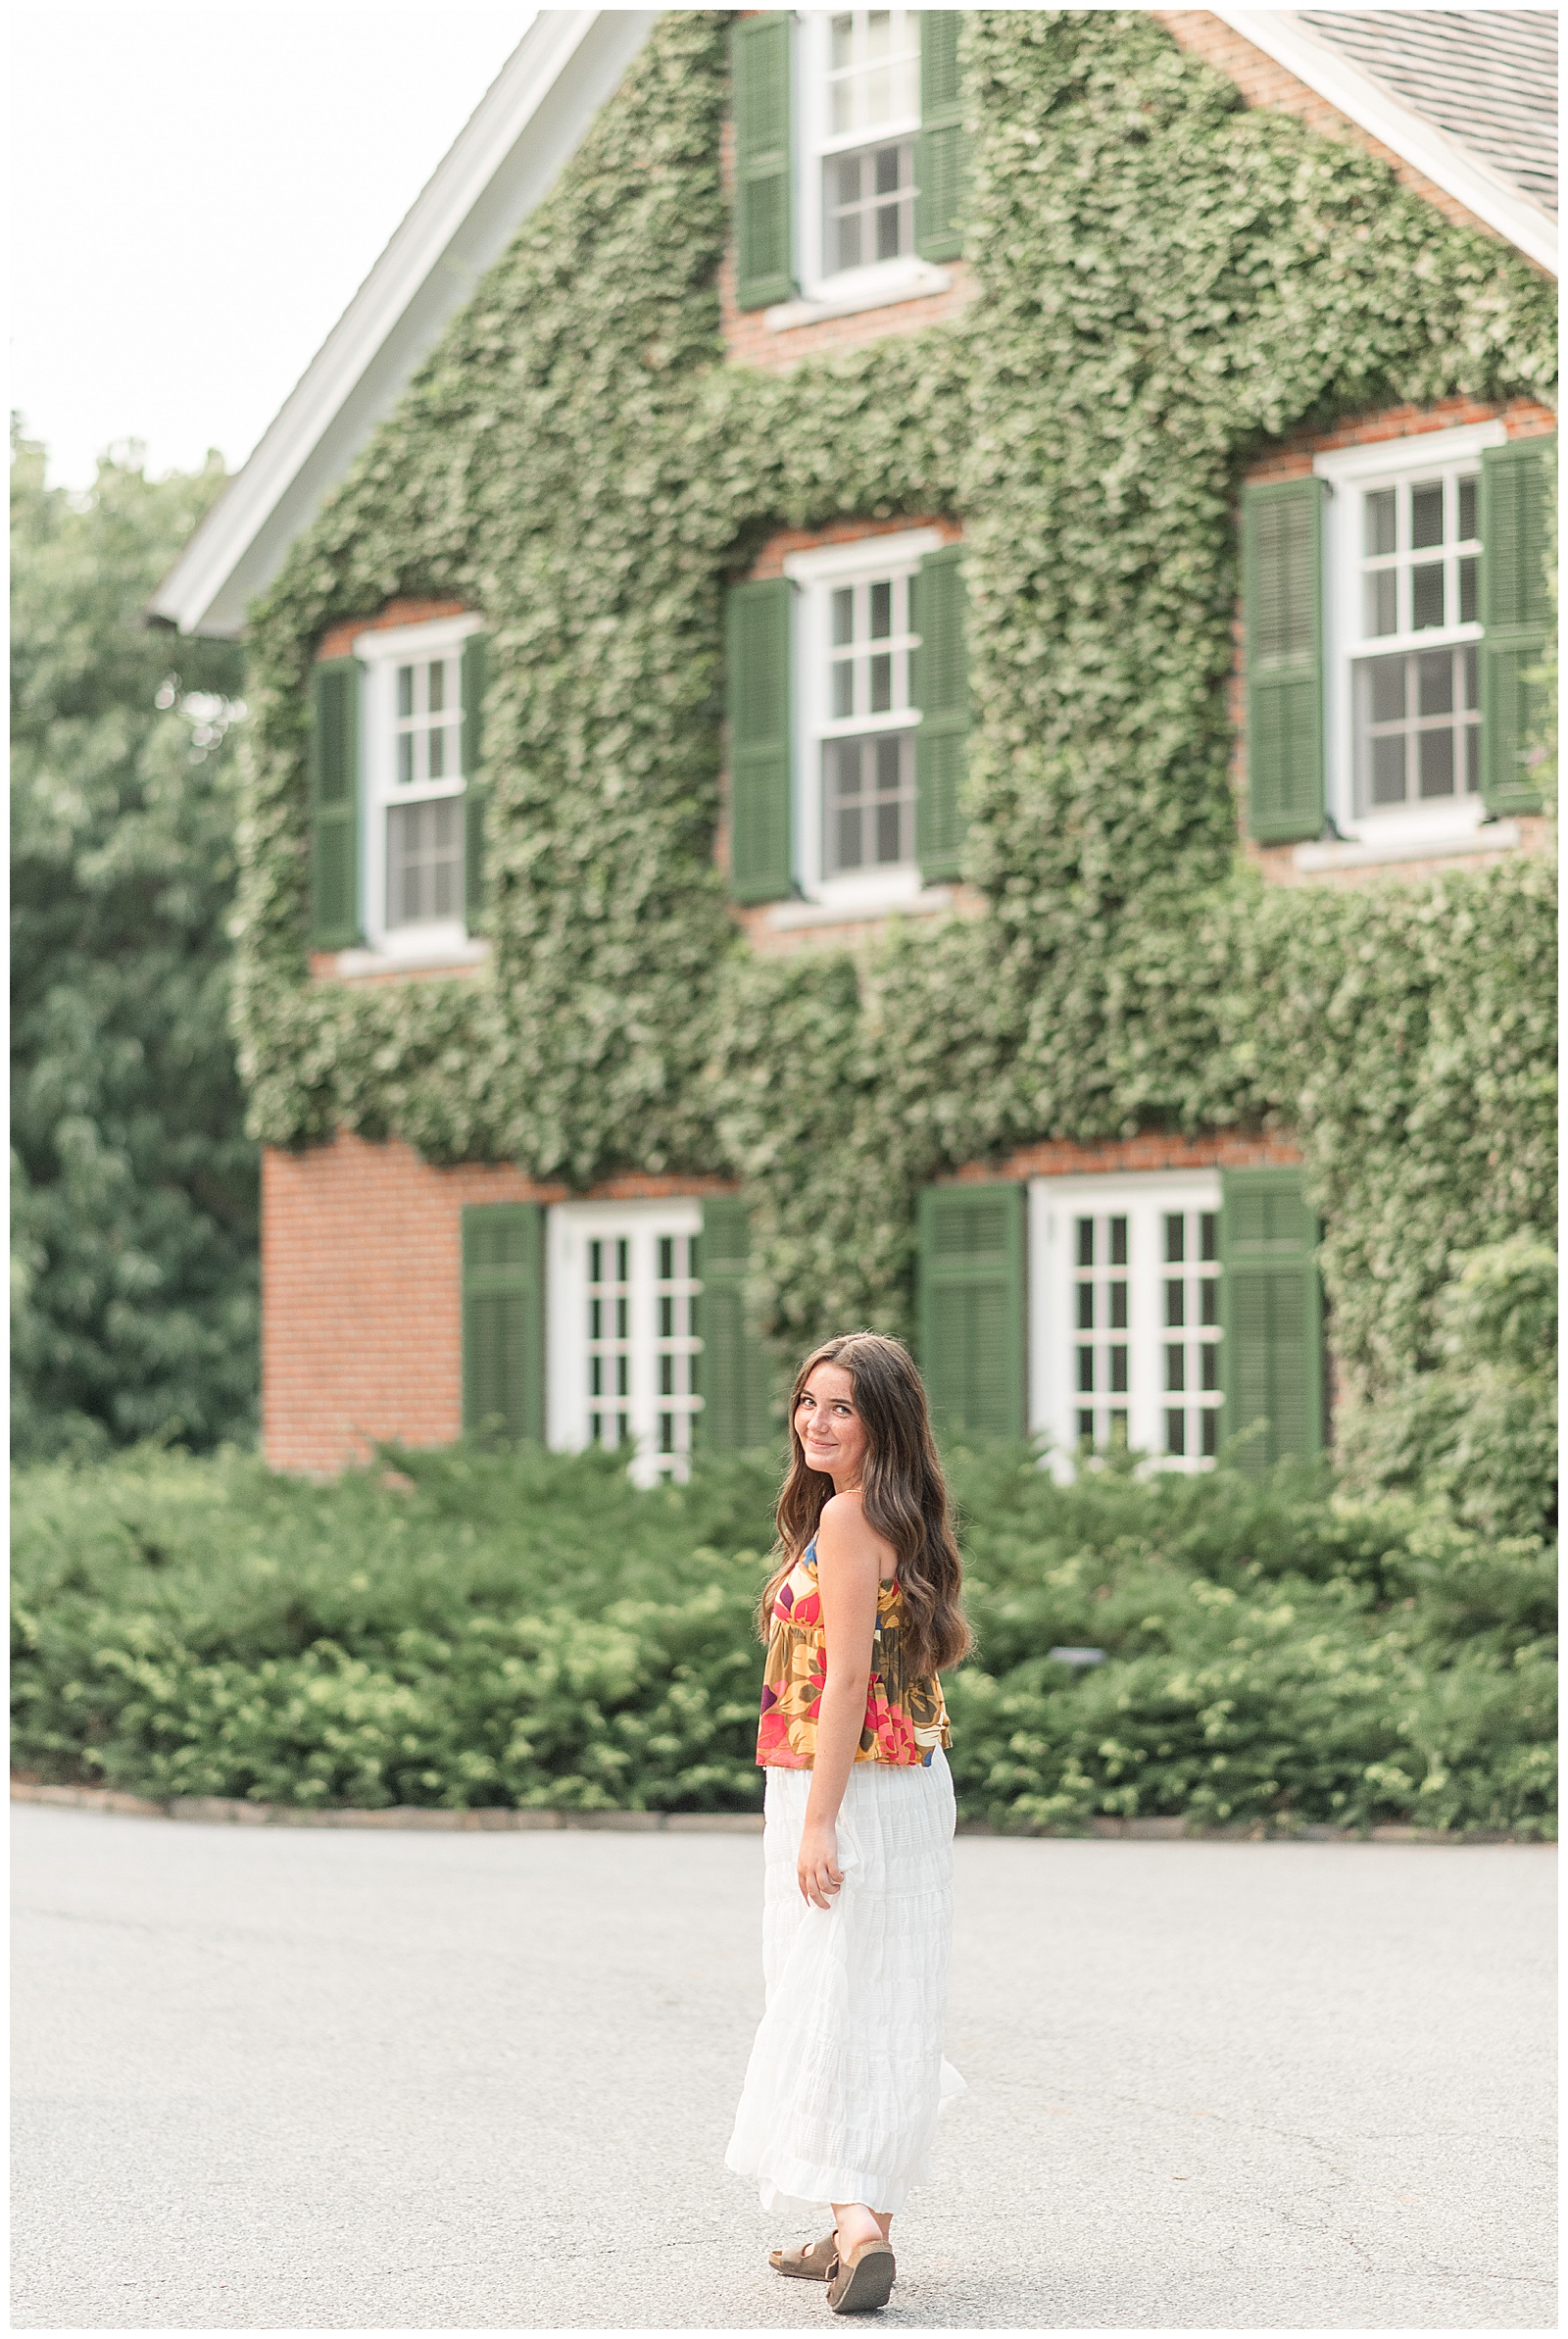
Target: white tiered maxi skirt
{"x": 847, "y": 2073}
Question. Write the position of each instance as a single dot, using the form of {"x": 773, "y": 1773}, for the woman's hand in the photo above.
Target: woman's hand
{"x": 816, "y": 1868}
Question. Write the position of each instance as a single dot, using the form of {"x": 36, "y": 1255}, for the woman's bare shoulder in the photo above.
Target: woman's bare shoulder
{"x": 845, "y": 1536}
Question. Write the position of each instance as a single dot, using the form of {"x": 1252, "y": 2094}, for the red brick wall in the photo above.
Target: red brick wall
{"x": 339, "y": 638}
{"x": 1151, "y": 1149}
{"x": 361, "y": 1293}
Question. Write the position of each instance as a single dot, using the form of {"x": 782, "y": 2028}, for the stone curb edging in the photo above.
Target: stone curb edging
{"x": 222, "y": 1811}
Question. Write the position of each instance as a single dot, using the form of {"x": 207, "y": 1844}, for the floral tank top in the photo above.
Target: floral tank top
{"x": 906, "y": 1719}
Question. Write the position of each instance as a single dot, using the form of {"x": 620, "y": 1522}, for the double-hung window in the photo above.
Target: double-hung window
{"x": 848, "y": 718}
{"x": 415, "y": 856}
{"x": 397, "y": 824}
{"x": 1395, "y": 612}
{"x": 1402, "y": 573}
{"x": 850, "y": 153}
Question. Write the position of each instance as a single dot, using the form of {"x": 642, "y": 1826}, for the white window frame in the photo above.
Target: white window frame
{"x": 571, "y": 1227}
{"x": 815, "y": 574}
{"x": 381, "y": 651}
{"x": 879, "y": 281}
{"x": 1142, "y": 1196}
{"x": 1351, "y": 471}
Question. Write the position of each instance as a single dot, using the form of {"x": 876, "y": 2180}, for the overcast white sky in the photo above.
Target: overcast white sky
{"x": 197, "y": 190}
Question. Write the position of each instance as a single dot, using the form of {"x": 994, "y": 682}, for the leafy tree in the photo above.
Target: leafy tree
{"x": 134, "y": 1186}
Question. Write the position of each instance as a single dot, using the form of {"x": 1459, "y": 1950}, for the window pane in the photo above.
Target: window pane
{"x": 424, "y": 861}
{"x": 1437, "y": 763}
{"x": 881, "y": 610}
{"x": 437, "y": 745}
{"x": 1383, "y": 603}
{"x": 1425, "y": 515}
{"x": 1386, "y": 687}
{"x": 405, "y": 759}
{"x": 1175, "y": 1301}
{"x": 1175, "y": 1237}
{"x": 1175, "y": 1364}
{"x": 882, "y": 682}
{"x": 622, "y": 1268}
{"x": 1118, "y": 1371}
{"x": 1208, "y": 1301}
{"x": 1208, "y": 1235}
{"x": 437, "y": 685}
{"x": 1435, "y": 682}
{"x": 666, "y": 1258}
{"x": 843, "y": 688}
{"x": 1377, "y": 512}
{"x": 1388, "y": 770}
{"x": 1208, "y": 1366}
{"x": 1118, "y": 1306}
{"x": 843, "y": 616}
{"x": 404, "y": 690}
{"x": 1469, "y": 590}
{"x": 1469, "y": 666}
{"x": 1426, "y": 596}
{"x": 890, "y": 835}
{"x": 1471, "y": 759}
{"x": 1085, "y": 1242}
{"x": 888, "y": 754}
{"x": 1469, "y": 510}
{"x": 1119, "y": 1243}
{"x": 1086, "y": 1372}
{"x": 1086, "y": 1307}
{"x": 1175, "y": 1430}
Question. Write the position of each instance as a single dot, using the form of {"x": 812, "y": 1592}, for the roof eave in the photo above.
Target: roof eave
{"x": 1375, "y": 110}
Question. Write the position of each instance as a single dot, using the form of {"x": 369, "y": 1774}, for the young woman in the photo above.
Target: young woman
{"x": 846, "y": 2076}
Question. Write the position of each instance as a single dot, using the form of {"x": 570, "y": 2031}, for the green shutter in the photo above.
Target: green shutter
{"x": 971, "y": 1308}
{"x": 1282, "y": 609}
{"x": 941, "y": 694}
{"x": 760, "y": 64}
{"x": 734, "y": 1369}
{"x": 335, "y": 804}
{"x": 760, "y": 764}
{"x": 1271, "y": 1314}
{"x": 941, "y": 153}
{"x": 1516, "y": 614}
{"x": 504, "y": 1317}
{"x": 475, "y": 791}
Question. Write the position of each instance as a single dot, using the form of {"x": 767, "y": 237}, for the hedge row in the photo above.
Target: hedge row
{"x": 528, "y": 1630}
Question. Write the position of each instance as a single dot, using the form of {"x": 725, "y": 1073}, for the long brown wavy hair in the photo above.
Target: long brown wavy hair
{"x": 903, "y": 1493}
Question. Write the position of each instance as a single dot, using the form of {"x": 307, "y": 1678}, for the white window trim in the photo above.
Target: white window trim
{"x": 1054, "y": 1204}
{"x": 569, "y": 1226}
{"x": 437, "y": 942}
{"x": 844, "y": 291}
{"x": 874, "y": 892}
{"x": 1408, "y": 828}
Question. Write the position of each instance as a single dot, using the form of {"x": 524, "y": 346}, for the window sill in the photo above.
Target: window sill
{"x": 412, "y": 960}
{"x": 787, "y": 917}
{"x": 902, "y": 280}
{"x": 1490, "y": 836}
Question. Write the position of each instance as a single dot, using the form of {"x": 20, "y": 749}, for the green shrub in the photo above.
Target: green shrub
{"x": 521, "y": 1628}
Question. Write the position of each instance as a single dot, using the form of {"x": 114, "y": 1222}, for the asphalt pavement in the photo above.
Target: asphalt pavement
{"x": 275, "y": 2079}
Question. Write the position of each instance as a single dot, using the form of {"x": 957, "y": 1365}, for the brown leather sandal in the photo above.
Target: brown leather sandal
{"x": 813, "y": 2262}
{"x": 861, "y": 2282}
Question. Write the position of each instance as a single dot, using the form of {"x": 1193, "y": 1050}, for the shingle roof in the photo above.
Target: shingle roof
{"x": 1486, "y": 77}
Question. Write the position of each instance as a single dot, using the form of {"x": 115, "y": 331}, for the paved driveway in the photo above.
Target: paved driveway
{"x": 275, "y": 2079}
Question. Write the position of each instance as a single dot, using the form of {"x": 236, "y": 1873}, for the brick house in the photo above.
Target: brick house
{"x": 1161, "y": 1286}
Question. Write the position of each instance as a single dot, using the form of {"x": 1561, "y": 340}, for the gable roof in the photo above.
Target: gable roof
{"x": 1466, "y": 95}
{"x": 504, "y": 161}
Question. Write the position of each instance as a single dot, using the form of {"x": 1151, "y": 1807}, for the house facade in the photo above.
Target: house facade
{"x": 900, "y": 677}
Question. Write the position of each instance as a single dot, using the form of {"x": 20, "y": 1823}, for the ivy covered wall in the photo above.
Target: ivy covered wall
{"x": 1168, "y": 283}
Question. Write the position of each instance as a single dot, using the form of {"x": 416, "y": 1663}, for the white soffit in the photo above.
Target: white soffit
{"x": 508, "y": 156}
{"x": 1375, "y": 108}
